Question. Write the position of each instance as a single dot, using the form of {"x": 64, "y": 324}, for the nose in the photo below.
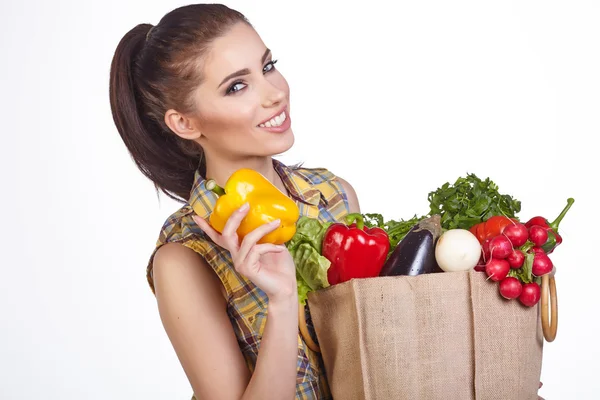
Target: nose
{"x": 273, "y": 95}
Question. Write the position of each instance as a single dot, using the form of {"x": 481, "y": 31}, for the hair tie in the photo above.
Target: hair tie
{"x": 149, "y": 32}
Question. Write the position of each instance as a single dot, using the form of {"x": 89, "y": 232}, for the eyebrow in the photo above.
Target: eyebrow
{"x": 244, "y": 71}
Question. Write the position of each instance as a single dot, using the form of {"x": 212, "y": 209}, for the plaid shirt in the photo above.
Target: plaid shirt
{"x": 318, "y": 194}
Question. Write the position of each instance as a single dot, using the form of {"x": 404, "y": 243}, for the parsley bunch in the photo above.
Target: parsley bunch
{"x": 470, "y": 201}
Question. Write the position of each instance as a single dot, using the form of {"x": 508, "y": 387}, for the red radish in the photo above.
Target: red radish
{"x": 510, "y": 288}
{"x": 500, "y": 247}
{"x": 542, "y": 264}
{"x": 530, "y": 295}
{"x": 497, "y": 269}
{"x": 485, "y": 248}
{"x": 538, "y": 235}
{"x": 479, "y": 268}
{"x": 536, "y": 250}
{"x": 517, "y": 234}
{"x": 516, "y": 259}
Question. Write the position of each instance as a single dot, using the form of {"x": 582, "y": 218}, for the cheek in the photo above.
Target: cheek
{"x": 229, "y": 119}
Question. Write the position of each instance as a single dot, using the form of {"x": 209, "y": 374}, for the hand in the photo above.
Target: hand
{"x": 268, "y": 266}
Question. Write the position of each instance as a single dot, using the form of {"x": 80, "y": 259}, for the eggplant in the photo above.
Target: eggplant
{"x": 415, "y": 253}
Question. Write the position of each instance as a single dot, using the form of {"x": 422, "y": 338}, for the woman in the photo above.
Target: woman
{"x": 197, "y": 96}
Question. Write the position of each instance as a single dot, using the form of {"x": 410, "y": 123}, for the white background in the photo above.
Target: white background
{"x": 396, "y": 97}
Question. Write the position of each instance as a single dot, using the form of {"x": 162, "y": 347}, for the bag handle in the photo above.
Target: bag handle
{"x": 304, "y": 330}
{"x": 549, "y": 328}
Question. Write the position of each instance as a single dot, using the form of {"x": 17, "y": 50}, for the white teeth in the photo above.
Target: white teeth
{"x": 275, "y": 121}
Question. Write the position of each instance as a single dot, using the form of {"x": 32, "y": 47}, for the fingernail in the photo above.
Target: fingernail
{"x": 245, "y": 207}
{"x": 276, "y": 222}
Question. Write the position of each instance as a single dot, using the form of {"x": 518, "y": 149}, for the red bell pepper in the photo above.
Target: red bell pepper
{"x": 491, "y": 228}
{"x": 354, "y": 250}
{"x": 554, "y": 239}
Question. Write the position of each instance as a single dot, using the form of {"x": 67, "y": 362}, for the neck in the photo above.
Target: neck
{"x": 221, "y": 169}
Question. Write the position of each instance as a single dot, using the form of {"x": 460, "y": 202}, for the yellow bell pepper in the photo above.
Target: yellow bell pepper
{"x": 267, "y": 203}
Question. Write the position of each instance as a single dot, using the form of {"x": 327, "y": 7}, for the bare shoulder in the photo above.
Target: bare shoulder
{"x": 193, "y": 312}
{"x": 174, "y": 263}
{"x": 353, "y": 203}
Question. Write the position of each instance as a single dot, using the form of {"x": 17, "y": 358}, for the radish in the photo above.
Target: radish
{"x": 510, "y": 288}
{"x": 517, "y": 234}
{"x": 500, "y": 247}
{"x": 497, "y": 269}
{"x": 538, "y": 235}
{"x": 485, "y": 249}
{"x": 542, "y": 264}
{"x": 516, "y": 258}
{"x": 530, "y": 295}
{"x": 536, "y": 250}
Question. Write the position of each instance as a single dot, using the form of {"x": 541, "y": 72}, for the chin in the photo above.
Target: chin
{"x": 277, "y": 143}
{"x": 284, "y": 142}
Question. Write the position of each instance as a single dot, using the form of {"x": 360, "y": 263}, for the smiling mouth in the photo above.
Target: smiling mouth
{"x": 275, "y": 121}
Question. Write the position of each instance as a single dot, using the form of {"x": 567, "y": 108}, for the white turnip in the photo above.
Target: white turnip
{"x": 457, "y": 250}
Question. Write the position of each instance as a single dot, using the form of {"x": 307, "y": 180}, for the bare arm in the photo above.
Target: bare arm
{"x": 193, "y": 312}
{"x": 352, "y": 197}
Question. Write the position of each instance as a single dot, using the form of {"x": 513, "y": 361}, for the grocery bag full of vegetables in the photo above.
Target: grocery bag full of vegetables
{"x": 444, "y": 305}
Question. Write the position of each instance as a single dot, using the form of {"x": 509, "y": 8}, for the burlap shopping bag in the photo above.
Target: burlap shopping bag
{"x": 434, "y": 336}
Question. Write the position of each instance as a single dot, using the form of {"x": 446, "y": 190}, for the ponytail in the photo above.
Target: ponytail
{"x": 155, "y": 151}
{"x": 151, "y": 73}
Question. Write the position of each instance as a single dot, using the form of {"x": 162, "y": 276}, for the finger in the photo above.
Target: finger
{"x": 206, "y": 228}
{"x": 254, "y": 236}
{"x": 234, "y": 221}
{"x": 255, "y": 253}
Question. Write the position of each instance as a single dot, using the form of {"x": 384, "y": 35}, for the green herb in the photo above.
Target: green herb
{"x": 470, "y": 201}
{"x": 305, "y": 248}
{"x": 524, "y": 274}
{"x": 396, "y": 230}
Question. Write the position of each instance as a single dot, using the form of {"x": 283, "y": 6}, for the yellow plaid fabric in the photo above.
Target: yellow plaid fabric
{"x": 319, "y": 195}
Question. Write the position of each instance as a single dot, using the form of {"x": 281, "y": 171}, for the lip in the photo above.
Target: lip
{"x": 283, "y": 127}
{"x": 274, "y": 115}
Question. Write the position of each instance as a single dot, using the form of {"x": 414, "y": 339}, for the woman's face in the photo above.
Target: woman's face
{"x": 243, "y": 101}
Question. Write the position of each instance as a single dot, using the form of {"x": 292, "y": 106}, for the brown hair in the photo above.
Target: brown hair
{"x": 153, "y": 70}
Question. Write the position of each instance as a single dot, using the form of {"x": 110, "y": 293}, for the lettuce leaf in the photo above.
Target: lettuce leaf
{"x": 305, "y": 248}
{"x": 303, "y": 290}
{"x": 311, "y": 266}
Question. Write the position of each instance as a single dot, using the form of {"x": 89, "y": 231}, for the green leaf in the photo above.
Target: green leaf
{"x": 303, "y": 290}
{"x": 309, "y": 230}
{"x": 470, "y": 200}
{"x": 305, "y": 249}
{"x": 524, "y": 274}
{"x": 311, "y": 266}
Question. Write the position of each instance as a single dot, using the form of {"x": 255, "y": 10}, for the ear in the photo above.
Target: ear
{"x": 182, "y": 125}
